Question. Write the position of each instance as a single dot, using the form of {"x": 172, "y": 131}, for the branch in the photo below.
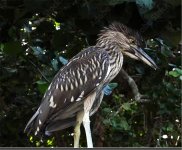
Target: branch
{"x": 39, "y": 70}
{"x": 138, "y": 97}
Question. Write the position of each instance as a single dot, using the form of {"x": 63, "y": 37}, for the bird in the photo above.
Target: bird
{"x": 76, "y": 91}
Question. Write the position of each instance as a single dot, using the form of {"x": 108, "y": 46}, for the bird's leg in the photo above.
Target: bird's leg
{"x": 86, "y": 118}
{"x": 86, "y": 124}
{"x": 77, "y": 129}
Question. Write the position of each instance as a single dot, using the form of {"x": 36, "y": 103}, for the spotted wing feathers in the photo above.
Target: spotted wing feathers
{"x": 65, "y": 96}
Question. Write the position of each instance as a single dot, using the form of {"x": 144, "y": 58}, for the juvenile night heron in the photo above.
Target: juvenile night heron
{"x": 76, "y": 91}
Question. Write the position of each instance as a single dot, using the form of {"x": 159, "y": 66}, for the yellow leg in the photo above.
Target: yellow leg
{"x": 77, "y": 129}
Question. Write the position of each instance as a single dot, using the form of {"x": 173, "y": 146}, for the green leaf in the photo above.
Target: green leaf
{"x": 31, "y": 139}
{"x": 54, "y": 63}
{"x": 170, "y": 127}
{"x": 42, "y": 86}
{"x": 107, "y": 110}
{"x": 106, "y": 121}
{"x": 166, "y": 52}
{"x": 124, "y": 124}
{"x": 180, "y": 78}
{"x": 145, "y": 3}
{"x": 1, "y": 46}
{"x": 113, "y": 85}
{"x": 11, "y": 70}
{"x": 12, "y": 48}
{"x": 176, "y": 72}
{"x": 38, "y": 51}
{"x": 126, "y": 106}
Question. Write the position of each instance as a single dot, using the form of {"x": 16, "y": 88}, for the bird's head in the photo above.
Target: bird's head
{"x": 127, "y": 40}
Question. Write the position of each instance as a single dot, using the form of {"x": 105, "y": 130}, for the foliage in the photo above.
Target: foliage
{"x": 156, "y": 123}
{"x": 38, "y": 37}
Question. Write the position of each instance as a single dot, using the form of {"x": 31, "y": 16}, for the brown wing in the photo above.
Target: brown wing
{"x": 66, "y": 94}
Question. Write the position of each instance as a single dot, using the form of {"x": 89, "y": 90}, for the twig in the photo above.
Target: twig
{"x": 39, "y": 70}
{"x": 138, "y": 97}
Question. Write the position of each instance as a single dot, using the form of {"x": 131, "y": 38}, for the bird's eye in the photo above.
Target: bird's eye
{"x": 132, "y": 41}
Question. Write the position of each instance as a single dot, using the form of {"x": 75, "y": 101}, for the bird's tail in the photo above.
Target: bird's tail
{"x": 31, "y": 123}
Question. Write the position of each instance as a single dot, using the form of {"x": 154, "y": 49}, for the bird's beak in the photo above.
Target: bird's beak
{"x": 138, "y": 53}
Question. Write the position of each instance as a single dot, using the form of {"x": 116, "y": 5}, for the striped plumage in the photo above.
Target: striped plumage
{"x": 78, "y": 86}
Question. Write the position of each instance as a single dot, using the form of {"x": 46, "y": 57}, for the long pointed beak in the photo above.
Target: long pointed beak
{"x": 141, "y": 55}
{"x": 138, "y": 53}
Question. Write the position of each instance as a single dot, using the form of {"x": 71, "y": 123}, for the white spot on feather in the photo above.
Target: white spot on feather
{"x": 56, "y": 86}
{"x": 65, "y": 100}
{"x": 94, "y": 76}
{"x": 100, "y": 73}
{"x": 92, "y": 61}
{"x": 85, "y": 79}
{"x": 96, "y": 73}
{"x": 72, "y": 99}
{"x": 52, "y": 103}
{"x": 103, "y": 65}
{"x": 80, "y": 97}
{"x": 35, "y": 133}
{"x": 98, "y": 64}
{"x": 95, "y": 58}
{"x": 81, "y": 68}
{"x": 90, "y": 69}
{"x": 49, "y": 86}
{"x": 62, "y": 88}
{"x": 76, "y": 83}
{"x": 69, "y": 80}
{"x": 78, "y": 73}
{"x": 93, "y": 64}
{"x": 40, "y": 122}
{"x": 38, "y": 129}
{"x": 72, "y": 86}
{"x": 100, "y": 56}
{"x": 81, "y": 82}
{"x": 73, "y": 73}
{"x": 66, "y": 88}
{"x": 97, "y": 84}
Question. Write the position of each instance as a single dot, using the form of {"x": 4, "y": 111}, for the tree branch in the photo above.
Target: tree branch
{"x": 39, "y": 70}
{"x": 138, "y": 97}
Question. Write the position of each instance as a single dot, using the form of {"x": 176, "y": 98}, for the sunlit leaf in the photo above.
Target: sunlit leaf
{"x": 126, "y": 106}
{"x": 42, "y": 86}
{"x": 54, "y": 63}
{"x": 176, "y": 72}
{"x": 109, "y": 88}
{"x": 31, "y": 139}
{"x": 11, "y": 70}
{"x": 63, "y": 60}
{"x": 37, "y": 50}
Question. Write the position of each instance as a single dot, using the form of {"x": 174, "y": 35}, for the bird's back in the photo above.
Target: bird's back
{"x": 65, "y": 96}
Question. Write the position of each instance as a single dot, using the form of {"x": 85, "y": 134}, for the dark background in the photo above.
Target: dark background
{"x": 35, "y": 33}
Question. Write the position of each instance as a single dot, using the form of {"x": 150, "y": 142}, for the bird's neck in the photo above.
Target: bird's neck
{"x": 116, "y": 57}
{"x": 109, "y": 46}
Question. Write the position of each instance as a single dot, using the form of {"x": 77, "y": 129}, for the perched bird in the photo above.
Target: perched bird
{"x": 76, "y": 91}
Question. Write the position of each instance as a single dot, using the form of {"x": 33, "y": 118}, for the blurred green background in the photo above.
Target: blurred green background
{"x": 36, "y": 35}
